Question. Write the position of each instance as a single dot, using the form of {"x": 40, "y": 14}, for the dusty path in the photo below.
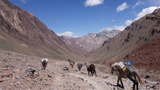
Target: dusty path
{"x": 100, "y": 83}
{"x": 107, "y": 83}
{"x": 97, "y": 83}
{"x": 103, "y": 81}
{"x": 13, "y": 75}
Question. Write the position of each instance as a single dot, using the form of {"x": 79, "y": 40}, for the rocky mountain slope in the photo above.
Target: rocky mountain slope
{"x": 146, "y": 56}
{"x": 90, "y": 41}
{"x": 135, "y": 36}
{"x": 24, "y": 33}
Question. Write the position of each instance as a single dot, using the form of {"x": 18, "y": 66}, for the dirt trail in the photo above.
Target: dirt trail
{"x": 96, "y": 82}
{"x": 102, "y": 82}
{"x": 13, "y": 75}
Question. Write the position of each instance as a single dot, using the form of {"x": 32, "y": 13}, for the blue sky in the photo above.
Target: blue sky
{"x": 80, "y": 17}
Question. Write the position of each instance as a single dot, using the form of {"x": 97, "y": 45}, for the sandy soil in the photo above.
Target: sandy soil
{"x": 14, "y": 75}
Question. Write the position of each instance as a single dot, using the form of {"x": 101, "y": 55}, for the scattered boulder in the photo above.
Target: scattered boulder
{"x": 66, "y": 69}
{"x": 50, "y": 76}
{"x": 1, "y": 81}
{"x": 151, "y": 84}
{"x": 10, "y": 66}
{"x": 147, "y": 76}
{"x": 30, "y": 71}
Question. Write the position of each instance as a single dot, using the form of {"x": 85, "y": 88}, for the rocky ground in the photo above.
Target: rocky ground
{"x": 15, "y": 75}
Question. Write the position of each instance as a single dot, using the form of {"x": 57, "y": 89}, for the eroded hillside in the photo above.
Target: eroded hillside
{"x": 134, "y": 36}
{"x": 24, "y": 33}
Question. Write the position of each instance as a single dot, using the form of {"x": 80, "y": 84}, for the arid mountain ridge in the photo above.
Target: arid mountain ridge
{"x": 24, "y": 33}
{"x": 138, "y": 43}
{"x": 90, "y": 41}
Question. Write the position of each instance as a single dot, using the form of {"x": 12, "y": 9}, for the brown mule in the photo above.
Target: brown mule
{"x": 127, "y": 71}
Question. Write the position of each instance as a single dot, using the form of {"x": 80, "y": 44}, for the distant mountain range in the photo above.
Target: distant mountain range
{"x": 90, "y": 41}
{"x": 22, "y": 32}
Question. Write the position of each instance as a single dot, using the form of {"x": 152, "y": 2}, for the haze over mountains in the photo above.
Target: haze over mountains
{"x": 90, "y": 41}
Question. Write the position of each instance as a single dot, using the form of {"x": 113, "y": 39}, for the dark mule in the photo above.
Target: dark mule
{"x": 91, "y": 69}
{"x": 124, "y": 71}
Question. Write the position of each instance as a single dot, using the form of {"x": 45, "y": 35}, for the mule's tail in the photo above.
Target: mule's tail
{"x": 139, "y": 79}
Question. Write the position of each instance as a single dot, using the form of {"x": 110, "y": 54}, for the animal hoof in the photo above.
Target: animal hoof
{"x": 119, "y": 85}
